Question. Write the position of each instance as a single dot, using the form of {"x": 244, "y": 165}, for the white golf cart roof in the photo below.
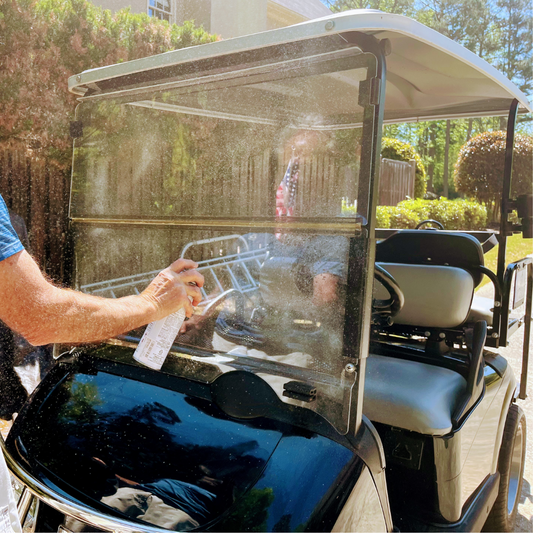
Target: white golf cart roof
{"x": 428, "y": 75}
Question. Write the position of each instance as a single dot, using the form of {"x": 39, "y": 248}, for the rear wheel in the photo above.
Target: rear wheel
{"x": 511, "y": 468}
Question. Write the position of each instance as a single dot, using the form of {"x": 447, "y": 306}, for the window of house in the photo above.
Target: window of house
{"x": 160, "y": 9}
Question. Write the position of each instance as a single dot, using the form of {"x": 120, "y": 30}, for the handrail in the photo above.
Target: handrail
{"x": 496, "y": 313}
{"x": 475, "y": 384}
{"x": 527, "y": 263}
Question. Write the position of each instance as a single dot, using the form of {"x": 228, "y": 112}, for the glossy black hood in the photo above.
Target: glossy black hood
{"x": 100, "y": 436}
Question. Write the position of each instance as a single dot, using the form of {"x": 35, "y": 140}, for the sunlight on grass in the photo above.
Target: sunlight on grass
{"x": 517, "y": 248}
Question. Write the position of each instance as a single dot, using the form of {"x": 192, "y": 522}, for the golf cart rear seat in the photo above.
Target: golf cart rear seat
{"x": 437, "y": 273}
{"x": 438, "y": 293}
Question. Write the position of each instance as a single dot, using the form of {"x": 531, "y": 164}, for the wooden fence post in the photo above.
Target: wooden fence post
{"x": 412, "y": 185}
{"x": 37, "y": 221}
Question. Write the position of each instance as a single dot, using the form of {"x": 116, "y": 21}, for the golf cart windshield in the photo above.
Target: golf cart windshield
{"x": 247, "y": 175}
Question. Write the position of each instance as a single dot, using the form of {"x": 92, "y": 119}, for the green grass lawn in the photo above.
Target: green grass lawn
{"x": 517, "y": 248}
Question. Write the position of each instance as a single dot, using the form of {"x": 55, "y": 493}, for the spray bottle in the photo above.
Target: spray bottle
{"x": 158, "y": 338}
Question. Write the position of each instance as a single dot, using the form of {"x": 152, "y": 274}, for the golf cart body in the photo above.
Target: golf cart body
{"x": 304, "y": 395}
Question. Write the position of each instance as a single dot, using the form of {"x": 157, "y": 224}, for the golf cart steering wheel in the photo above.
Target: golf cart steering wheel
{"x": 384, "y": 310}
{"x": 429, "y": 221}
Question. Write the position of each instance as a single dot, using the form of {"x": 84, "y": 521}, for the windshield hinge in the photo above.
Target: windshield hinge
{"x": 369, "y": 92}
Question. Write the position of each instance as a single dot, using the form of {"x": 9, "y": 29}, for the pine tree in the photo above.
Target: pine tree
{"x": 514, "y": 59}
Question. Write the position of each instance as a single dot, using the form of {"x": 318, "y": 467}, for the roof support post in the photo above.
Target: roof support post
{"x": 505, "y": 226}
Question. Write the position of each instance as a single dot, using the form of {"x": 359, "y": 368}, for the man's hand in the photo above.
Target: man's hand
{"x": 171, "y": 288}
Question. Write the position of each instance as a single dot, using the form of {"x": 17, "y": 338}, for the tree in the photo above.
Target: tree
{"x": 46, "y": 41}
{"x": 480, "y": 166}
{"x": 471, "y": 23}
{"x": 516, "y": 26}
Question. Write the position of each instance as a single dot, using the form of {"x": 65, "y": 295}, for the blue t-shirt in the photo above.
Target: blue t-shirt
{"x": 9, "y": 242}
{"x": 195, "y": 501}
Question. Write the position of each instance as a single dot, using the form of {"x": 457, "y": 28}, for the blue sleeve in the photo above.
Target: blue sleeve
{"x": 9, "y": 242}
{"x": 334, "y": 257}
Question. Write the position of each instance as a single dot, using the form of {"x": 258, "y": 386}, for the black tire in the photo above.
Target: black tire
{"x": 511, "y": 463}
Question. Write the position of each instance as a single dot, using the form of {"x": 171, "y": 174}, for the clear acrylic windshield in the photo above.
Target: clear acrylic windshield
{"x": 249, "y": 180}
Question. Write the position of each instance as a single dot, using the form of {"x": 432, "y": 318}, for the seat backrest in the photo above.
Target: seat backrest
{"x": 431, "y": 247}
{"x": 434, "y": 296}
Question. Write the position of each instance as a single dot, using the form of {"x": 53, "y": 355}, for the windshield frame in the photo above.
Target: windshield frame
{"x": 361, "y": 253}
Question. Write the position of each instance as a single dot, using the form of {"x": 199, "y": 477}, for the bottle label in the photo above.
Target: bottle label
{"x": 157, "y": 340}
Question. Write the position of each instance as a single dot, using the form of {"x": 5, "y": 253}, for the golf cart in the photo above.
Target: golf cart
{"x": 336, "y": 377}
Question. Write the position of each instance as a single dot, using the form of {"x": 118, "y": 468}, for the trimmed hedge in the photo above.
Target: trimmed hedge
{"x": 43, "y": 42}
{"x": 452, "y": 214}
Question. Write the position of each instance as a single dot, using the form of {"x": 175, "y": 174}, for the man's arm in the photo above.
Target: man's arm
{"x": 44, "y": 313}
{"x": 325, "y": 288}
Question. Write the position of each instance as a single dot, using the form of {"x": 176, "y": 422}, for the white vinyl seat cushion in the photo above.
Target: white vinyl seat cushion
{"x": 411, "y": 395}
{"x": 435, "y": 296}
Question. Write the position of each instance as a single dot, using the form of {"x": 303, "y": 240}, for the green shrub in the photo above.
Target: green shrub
{"x": 452, "y": 214}
{"x": 400, "y": 151}
{"x": 403, "y": 218}
{"x": 383, "y": 216}
{"x": 480, "y": 167}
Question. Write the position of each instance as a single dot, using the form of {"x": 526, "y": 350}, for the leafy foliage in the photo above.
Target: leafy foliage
{"x": 515, "y": 25}
{"x": 46, "y": 41}
{"x": 499, "y": 31}
{"x": 480, "y": 166}
{"x": 400, "y": 151}
{"x": 383, "y": 215}
{"x": 452, "y": 214}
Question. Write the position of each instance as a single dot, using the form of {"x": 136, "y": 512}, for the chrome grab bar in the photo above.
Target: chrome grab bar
{"x": 226, "y": 272}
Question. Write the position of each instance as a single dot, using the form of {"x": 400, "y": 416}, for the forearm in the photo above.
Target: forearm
{"x": 67, "y": 316}
{"x": 44, "y": 313}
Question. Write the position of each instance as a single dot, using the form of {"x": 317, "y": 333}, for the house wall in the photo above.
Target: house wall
{"x": 282, "y": 13}
{"x": 278, "y": 16}
{"x": 197, "y": 10}
{"x": 232, "y": 18}
{"x": 137, "y": 6}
